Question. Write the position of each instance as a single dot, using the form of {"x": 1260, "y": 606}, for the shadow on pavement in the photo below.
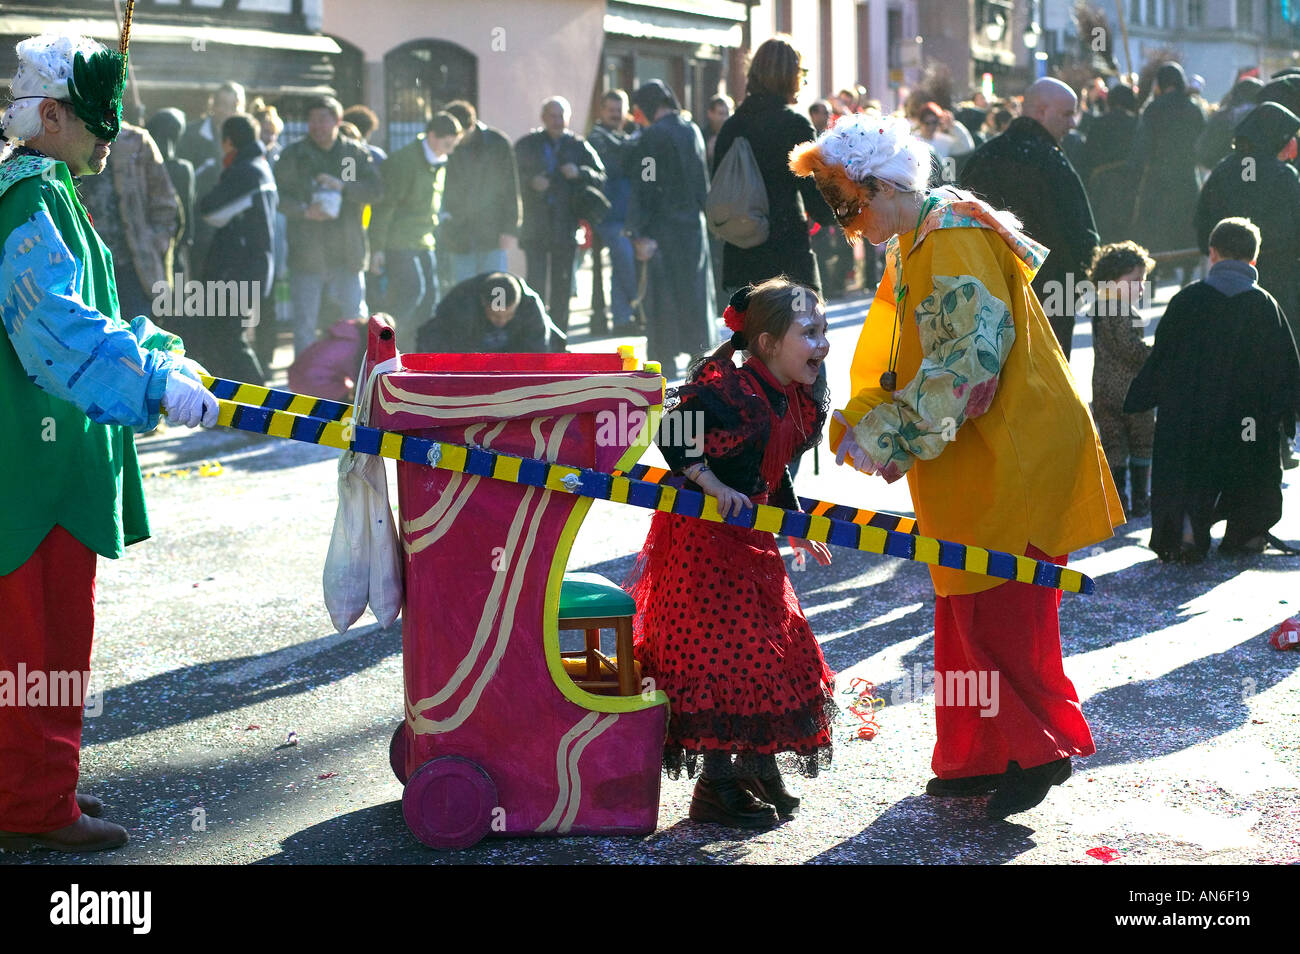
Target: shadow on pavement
{"x": 1206, "y": 698}
{"x": 195, "y": 692}
{"x": 924, "y": 830}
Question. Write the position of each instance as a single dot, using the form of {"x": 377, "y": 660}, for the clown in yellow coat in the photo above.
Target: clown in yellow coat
{"x": 959, "y": 383}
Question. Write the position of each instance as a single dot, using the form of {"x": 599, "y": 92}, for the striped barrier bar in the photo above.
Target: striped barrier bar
{"x": 257, "y": 396}
{"x": 342, "y": 434}
{"x": 818, "y": 508}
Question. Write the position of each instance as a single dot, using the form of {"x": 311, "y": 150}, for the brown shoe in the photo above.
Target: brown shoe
{"x": 724, "y": 802}
{"x": 85, "y": 834}
{"x": 90, "y": 805}
{"x": 774, "y": 792}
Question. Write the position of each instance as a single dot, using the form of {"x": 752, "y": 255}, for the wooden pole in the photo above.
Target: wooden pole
{"x": 1123, "y": 32}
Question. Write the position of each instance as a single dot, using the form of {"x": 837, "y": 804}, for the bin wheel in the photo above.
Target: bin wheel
{"x": 397, "y": 752}
{"x": 448, "y": 802}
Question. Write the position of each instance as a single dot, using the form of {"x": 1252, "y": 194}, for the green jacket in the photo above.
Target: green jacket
{"x": 406, "y": 218}
{"x": 74, "y": 377}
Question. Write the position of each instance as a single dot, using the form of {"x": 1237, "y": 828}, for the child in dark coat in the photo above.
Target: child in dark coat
{"x": 1225, "y": 375}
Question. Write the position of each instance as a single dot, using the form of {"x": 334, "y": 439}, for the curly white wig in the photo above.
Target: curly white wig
{"x": 44, "y": 68}
{"x": 867, "y": 144}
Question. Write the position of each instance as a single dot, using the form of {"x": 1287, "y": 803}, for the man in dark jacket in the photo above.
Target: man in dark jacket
{"x": 1025, "y": 171}
{"x": 1110, "y": 135}
{"x": 494, "y": 313}
{"x": 1164, "y": 164}
{"x": 167, "y": 126}
{"x": 482, "y": 198}
{"x": 666, "y": 215}
{"x": 404, "y": 224}
{"x": 325, "y": 181}
{"x": 201, "y": 148}
{"x": 1104, "y": 165}
{"x": 615, "y": 149}
{"x": 241, "y": 211}
{"x": 773, "y": 129}
{"x": 555, "y": 165}
{"x": 1256, "y": 182}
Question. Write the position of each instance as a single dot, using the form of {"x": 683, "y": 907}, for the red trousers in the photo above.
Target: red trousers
{"x": 47, "y": 617}
{"x": 1005, "y": 643}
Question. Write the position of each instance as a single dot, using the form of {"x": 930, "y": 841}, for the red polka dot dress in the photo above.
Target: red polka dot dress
{"x": 718, "y": 626}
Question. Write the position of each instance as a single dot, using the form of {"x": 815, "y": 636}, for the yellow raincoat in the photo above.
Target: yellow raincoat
{"x": 1028, "y": 467}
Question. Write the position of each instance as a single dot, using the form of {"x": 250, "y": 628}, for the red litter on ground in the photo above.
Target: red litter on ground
{"x": 1103, "y": 854}
{"x": 1287, "y": 634}
{"x": 327, "y": 775}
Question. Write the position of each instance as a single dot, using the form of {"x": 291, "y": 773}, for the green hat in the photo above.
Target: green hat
{"x": 95, "y": 91}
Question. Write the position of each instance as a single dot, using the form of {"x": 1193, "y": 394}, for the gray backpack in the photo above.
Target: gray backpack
{"x": 736, "y": 208}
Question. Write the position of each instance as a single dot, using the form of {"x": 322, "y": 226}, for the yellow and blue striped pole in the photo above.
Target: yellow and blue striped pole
{"x": 329, "y": 423}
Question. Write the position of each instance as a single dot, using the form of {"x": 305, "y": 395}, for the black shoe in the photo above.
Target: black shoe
{"x": 774, "y": 792}
{"x": 967, "y": 787}
{"x": 1022, "y": 789}
{"x": 1255, "y": 545}
{"x": 723, "y": 802}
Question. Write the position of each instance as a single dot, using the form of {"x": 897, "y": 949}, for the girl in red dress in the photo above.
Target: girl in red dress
{"x": 718, "y": 626}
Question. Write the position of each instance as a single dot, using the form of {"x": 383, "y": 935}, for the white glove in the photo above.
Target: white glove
{"x": 857, "y": 455}
{"x": 187, "y": 402}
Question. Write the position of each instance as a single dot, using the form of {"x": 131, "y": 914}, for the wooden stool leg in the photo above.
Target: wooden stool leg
{"x": 627, "y": 684}
{"x": 593, "y": 647}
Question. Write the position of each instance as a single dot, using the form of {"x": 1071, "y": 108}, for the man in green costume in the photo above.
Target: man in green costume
{"x": 75, "y": 380}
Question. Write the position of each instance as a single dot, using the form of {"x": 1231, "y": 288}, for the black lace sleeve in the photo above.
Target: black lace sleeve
{"x": 718, "y": 420}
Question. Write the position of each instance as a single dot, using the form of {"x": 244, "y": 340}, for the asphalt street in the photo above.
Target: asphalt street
{"x": 239, "y": 728}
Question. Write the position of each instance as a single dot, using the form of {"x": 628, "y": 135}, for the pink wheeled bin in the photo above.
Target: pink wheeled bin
{"x": 502, "y": 734}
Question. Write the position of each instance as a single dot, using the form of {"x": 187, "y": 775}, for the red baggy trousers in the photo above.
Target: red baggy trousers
{"x": 1007, "y": 639}
{"x": 47, "y": 618}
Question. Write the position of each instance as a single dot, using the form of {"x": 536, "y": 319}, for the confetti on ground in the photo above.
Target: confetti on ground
{"x": 1103, "y": 854}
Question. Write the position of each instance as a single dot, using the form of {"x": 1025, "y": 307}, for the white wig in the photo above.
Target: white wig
{"x": 867, "y": 144}
{"x": 44, "y": 68}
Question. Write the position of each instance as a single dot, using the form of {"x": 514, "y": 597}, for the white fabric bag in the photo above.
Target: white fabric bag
{"x": 364, "y": 562}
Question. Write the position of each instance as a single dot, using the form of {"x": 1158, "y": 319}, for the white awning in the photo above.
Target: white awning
{"x": 662, "y": 25}
{"x": 191, "y": 35}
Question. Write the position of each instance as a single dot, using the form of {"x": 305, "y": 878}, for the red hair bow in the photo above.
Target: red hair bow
{"x": 735, "y": 319}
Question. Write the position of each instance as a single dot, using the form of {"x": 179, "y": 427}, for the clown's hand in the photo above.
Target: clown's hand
{"x": 850, "y": 449}
{"x": 820, "y": 552}
{"x": 188, "y": 403}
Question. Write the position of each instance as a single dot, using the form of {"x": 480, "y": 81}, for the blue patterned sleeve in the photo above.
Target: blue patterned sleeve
{"x": 68, "y": 348}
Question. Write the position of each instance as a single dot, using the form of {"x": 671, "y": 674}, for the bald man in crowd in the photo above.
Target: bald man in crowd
{"x": 1024, "y": 170}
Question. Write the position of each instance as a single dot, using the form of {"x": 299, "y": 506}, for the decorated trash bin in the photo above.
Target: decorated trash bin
{"x": 502, "y": 735}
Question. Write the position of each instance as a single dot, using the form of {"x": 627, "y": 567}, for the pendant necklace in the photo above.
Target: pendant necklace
{"x": 889, "y": 380}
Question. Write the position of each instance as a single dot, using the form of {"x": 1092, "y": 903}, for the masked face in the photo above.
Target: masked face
{"x": 850, "y": 204}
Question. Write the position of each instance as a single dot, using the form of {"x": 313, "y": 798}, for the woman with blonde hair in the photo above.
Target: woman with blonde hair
{"x": 776, "y": 75}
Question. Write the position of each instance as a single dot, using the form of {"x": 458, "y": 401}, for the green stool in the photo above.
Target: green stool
{"x": 590, "y": 602}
